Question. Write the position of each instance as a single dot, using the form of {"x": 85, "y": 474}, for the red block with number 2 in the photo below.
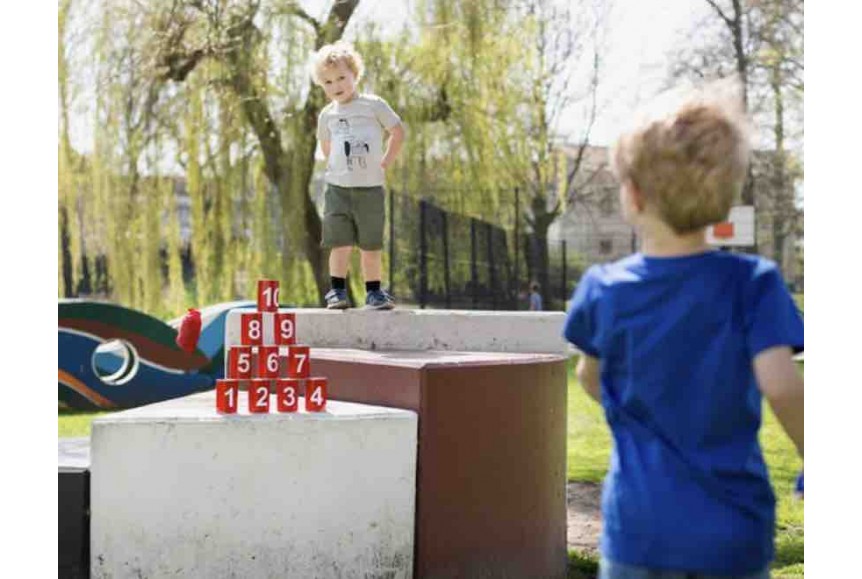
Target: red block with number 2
{"x": 258, "y": 396}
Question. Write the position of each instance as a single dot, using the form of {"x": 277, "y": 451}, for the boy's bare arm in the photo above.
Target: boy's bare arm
{"x": 783, "y": 386}
{"x": 589, "y": 376}
{"x": 326, "y": 146}
{"x": 393, "y": 147}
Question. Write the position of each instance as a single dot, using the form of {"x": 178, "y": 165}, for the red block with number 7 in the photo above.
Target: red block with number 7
{"x": 258, "y": 396}
{"x": 267, "y": 295}
{"x": 239, "y": 361}
{"x": 251, "y": 329}
{"x": 315, "y": 395}
{"x": 287, "y": 394}
{"x": 268, "y": 362}
{"x": 227, "y": 393}
{"x": 298, "y": 362}
{"x": 285, "y": 329}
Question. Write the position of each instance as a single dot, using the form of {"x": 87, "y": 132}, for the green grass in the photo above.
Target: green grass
{"x": 75, "y": 424}
{"x": 589, "y": 448}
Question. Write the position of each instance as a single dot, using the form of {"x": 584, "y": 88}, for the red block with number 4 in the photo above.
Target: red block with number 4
{"x": 251, "y": 329}
{"x": 239, "y": 360}
{"x": 285, "y": 329}
{"x": 258, "y": 396}
{"x": 287, "y": 394}
{"x": 227, "y": 393}
{"x": 267, "y": 295}
{"x": 268, "y": 362}
{"x": 298, "y": 363}
{"x": 315, "y": 395}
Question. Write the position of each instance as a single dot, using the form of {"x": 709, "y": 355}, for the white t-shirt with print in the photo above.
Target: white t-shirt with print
{"x": 356, "y": 132}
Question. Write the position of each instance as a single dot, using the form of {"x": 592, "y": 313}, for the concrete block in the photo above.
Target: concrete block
{"x": 403, "y": 329}
{"x": 178, "y": 490}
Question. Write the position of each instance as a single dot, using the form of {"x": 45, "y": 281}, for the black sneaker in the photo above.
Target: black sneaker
{"x": 379, "y": 300}
{"x": 336, "y": 299}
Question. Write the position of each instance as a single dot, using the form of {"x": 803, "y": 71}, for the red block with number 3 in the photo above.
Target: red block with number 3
{"x": 227, "y": 393}
{"x": 239, "y": 360}
{"x": 251, "y": 329}
{"x": 298, "y": 362}
{"x": 268, "y": 362}
{"x": 267, "y": 295}
{"x": 285, "y": 329}
{"x": 258, "y": 396}
{"x": 287, "y": 394}
{"x": 315, "y": 395}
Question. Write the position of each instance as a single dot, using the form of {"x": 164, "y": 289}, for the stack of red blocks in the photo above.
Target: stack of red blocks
{"x": 282, "y": 366}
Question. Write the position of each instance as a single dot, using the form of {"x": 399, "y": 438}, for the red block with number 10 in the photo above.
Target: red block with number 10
{"x": 267, "y": 295}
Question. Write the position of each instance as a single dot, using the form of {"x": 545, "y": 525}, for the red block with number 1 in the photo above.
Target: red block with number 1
{"x": 227, "y": 393}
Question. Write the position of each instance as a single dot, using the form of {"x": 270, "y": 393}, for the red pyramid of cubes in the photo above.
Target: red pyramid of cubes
{"x": 269, "y": 361}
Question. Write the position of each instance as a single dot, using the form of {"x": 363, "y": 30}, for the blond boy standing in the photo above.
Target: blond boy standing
{"x": 351, "y": 130}
{"x": 680, "y": 342}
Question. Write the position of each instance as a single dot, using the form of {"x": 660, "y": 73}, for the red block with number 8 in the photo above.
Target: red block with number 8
{"x": 315, "y": 395}
{"x": 285, "y": 329}
{"x": 287, "y": 394}
{"x": 239, "y": 360}
{"x": 267, "y": 295}
{"x": 251, "y": 329}
{"x": 258, "y": 396}
{"x": 227, "y": 392}
{"x": 298, "y": 362}
{"x": 268, "y": 362}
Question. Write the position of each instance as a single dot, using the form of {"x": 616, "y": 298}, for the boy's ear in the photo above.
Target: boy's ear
{"x": 637, "y": 196}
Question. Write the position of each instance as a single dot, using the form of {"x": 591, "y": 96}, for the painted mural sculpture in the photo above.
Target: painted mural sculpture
{"x": 114, "y": 357}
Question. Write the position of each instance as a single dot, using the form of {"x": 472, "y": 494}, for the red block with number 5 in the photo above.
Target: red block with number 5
{"x": 287, "y": 394}
{"x": 227, "y": 393}
{"x": 267, "y": 295}
{"x": 315, "y": 395}
{"x": 268, "y": 362}
{"x": 285, "y": 329}
{"x": 251, "y": 329}
{"x": 298, "y": 362}
{"x": 239, "y": 361}
{"x": 258, "y": 396}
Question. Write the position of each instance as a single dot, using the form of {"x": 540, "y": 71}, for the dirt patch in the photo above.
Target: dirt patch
{"x": 583, "y": 504}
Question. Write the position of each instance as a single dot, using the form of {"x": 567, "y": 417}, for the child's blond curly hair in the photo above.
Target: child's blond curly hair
{"x": 331, "y": 54}
{"x": 688, "y": 155}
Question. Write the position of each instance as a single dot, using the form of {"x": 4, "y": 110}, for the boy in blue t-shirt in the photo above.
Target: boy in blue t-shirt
{"x": 679, "y": 342}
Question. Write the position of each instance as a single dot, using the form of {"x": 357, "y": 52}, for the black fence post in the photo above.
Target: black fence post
{"x": 565, "y": 265}
{"x": 445, "y": 232}
{"x": 474, "y": 271}
{"x": 392, "y": 241}
{"x": 492, "y": 285}
{"x": 423, "y": 255}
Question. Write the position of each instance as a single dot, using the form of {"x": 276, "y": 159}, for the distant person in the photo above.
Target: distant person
{"x": 535, "y": 298}
{"x": 679, "y": 343}
{"x": 354, "y": 203}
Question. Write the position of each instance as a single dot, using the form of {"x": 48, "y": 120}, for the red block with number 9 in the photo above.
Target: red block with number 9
{"x": 258, "y": 396}
{"x": 298, "y": 362}
{"x": 227, "y": 392}
{"x": 239, "y": 362}
{"x": 287, "y": 394}
{"x": 267, "y": 295}
{"x": 268, "y": 362}
{"x": 251, "y": 329}
{"x": 285, "y": 329}
{"x": 315, "y": 395}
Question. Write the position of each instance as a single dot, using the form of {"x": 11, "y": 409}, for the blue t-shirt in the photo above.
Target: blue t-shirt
{"x": 687, "y": 487}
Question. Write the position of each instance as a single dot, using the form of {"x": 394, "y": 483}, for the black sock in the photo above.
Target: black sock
{"x": 372, "y": 286}
{"x": 338, "y": 283}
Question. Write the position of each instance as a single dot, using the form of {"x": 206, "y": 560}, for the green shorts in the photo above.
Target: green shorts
{"x": 354, "y": 216}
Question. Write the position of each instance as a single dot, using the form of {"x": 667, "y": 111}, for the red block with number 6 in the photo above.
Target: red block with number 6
{"x": 267, "y": 295}
{"x": 251, "y": 329}
{"x": 258, "y": 396}
{"x": 315, "y": 395}
{"x": 287, "y": 394}
{"x": 285, "y": 329}
{"x": 227, "y": 393}
{"x": 298, "y": 362}
{"x": 239, "y": 361}
{"x": 268, "y": 362}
